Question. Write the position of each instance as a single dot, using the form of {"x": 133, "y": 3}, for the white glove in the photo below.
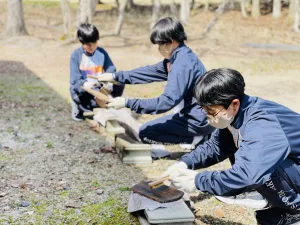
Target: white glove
{"x": 184, "y": 180}
{"x": 90, "y": 84}
{"x": 117, "y": 103}
{"x": 106, "y": 77}
{"x": 174, "y": 168}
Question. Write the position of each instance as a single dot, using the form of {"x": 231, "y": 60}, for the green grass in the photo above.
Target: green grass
{"x": 110, "y": 212}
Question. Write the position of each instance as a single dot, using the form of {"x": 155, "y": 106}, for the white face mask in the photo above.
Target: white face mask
{"x": 221, "y": 121}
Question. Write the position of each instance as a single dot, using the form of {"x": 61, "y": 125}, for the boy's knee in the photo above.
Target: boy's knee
{"x": 143, "y": 131}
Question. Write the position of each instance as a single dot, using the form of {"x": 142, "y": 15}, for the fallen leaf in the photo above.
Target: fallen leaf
{"x": 220, "y": 213}
{"x": 72, "y": 205}
{"x": 108, "y": 149}
{"x": 23, "y": 186}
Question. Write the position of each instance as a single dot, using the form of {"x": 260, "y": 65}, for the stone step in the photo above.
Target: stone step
{"x": 178, "y": 214}
{"x": 132, "y": 151}
{"x": 114, "y": 128}
{"x": 175, "y": 215}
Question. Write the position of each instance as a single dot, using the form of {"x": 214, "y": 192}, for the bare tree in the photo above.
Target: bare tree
{"x": 292, "y": 9}
{"x": 130, "y": 4}
{"x": 276, "y": 8}
{"x": 155, "y": 12}
{"x": 184, "y": 11}
{"x": 173, "y": 8}
{"x": 255, "y": 12}
{"x": 121, "y": 17}
{"x": 296, "y": 26}
{"x": 243, "y": 9}
{"x": 15, "y": 20}
{"x": 66, "y": 12}
{"x": 84, "y": 12}
{"x": 93, "y": 6}
{"x": 206, "y": 6}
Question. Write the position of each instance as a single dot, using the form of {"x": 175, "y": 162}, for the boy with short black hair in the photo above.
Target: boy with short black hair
{"x": 89, "y": 59}
{"x": 264, "y": 138}
{"x": 181, "y": 68}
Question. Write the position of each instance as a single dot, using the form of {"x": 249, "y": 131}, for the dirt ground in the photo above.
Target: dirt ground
{"x": 49, "y": 173}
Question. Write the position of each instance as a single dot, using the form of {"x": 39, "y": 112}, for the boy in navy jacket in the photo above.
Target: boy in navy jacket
{"x": 181, "y": 68}
{"x": 88, "y": 60}
{"x": 263, "y": 137}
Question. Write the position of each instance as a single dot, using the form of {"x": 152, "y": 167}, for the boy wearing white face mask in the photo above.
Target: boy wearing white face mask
{"x": 263, "y": 137}
{"x": 181, "y": 69}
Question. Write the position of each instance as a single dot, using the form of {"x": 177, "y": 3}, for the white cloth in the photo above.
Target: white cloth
{"x": 138, "y": 202}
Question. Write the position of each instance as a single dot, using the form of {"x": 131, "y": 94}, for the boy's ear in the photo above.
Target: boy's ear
{"x": 236, "y": 104}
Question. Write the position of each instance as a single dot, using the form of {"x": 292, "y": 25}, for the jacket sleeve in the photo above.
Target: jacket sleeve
{"x": 76, "y": 78}
{"x": 219, "y": 147}
{"x": 109, "y": 67}
{"x": 144, "y": 75}
{"x": 180, "y": 80}
{"x": 262, "y": 149}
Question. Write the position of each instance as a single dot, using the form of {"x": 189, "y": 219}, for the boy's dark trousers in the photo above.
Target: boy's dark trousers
{"x": 282, "y": 190}
{"x": 173, "y": 129}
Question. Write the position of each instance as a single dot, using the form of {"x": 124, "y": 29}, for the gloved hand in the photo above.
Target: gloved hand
{"x": 90, "y": 84}
{"x": 173, "y": 168}
{"x": 184, "y": 180}
{"x": 106, "y": 77}
{"x": 117, "y": 103}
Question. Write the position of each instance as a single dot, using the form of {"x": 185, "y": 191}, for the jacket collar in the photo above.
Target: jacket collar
{"x": 178, "y": 49}
{"x": 247, "y": 102}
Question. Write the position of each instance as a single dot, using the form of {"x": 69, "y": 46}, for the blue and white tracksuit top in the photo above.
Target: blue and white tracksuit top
{"x": 262, "y": 135}
{"x": 83, "y": 64}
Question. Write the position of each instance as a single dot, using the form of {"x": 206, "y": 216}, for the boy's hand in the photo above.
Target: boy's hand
{"x": 106, "y": 77}
{"x": 184, "y": 180}
{"x": 173, "y": 168}
{"x": 90, "y": 85}
{"x": 117, "y": 103}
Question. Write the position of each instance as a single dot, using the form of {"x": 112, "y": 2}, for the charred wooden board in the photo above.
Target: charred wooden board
{"x": 160, "y": 194}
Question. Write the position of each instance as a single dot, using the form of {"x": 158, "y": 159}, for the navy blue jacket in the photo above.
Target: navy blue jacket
{"x": 186, "y": 69}
{"x": 262, "y": 135}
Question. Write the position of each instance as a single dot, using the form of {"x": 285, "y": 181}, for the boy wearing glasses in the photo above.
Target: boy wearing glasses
{"x": 263, "y": 137}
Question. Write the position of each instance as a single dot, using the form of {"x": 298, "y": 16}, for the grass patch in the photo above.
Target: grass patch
{"x": 95, "y": 184}
{"x": 124, "y": 188}
{"x": 107, "y": 213}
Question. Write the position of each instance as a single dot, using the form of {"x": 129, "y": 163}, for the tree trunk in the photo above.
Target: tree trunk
{"x": 93, "y": 6}
{"x": 292, "y": 9}
{"x": 184, "y": 11}
{"x": 206, "y": 6}
{"x": 173, "y": 9}
{"x": 130, "y": 4}
{"x": 243, "y": 9}
{"x": 66, "y": 12}
{"x": 15, "y": 20}
{"x": 276, "y": 8}
{"x": 255, "y": 13}
{"x": 117, "y": 4}
{"x": 85, "y": 12}
{"x": 296, "y": 26}
{"x": 121, "y": 17}
{"x": 231, "y": 4}
{"x": 155, "y": 12}
{"x": 192, "y": 6}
